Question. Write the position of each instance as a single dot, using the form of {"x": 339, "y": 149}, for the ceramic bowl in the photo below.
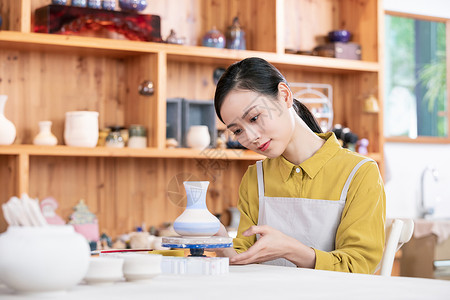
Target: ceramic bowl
{"x": 104, "y": 270}
{"x": 141, "y": 267}
{"x": 44, "y": 259}
{"x": 339, "y": 36}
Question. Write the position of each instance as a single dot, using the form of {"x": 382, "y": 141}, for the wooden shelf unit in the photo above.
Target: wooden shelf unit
{"x": 46, "y": 75}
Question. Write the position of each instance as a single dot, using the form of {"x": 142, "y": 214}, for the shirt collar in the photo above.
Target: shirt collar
{"x": 312, "y": 165}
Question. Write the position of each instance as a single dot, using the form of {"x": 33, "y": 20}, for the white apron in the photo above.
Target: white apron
{"x": 313, "y": 222}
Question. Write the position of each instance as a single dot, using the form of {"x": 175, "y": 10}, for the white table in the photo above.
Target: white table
{"x": 261, "y": 282}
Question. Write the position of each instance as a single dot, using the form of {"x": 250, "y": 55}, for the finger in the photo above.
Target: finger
{"x": 248, "y": 256}
{"x": 262, "y": 229}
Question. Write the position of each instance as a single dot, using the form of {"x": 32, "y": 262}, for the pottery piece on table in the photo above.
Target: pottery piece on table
{"x": 45, "y": 135}
{"x": 196, "y": 220}
{"x": 48, "y": 208}
{"x": 85, "y": 222}
{"x": 42, "y": 259}
{"x": 198, "y": 137}
{"x": 7, "y": 128}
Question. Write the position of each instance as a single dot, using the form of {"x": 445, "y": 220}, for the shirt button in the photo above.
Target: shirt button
{"x": 297, "y": 170}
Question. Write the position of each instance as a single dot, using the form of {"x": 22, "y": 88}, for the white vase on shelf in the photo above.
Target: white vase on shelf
{"x": 198, "y": 137}
{"x": 45, "y": 135}
{"x": 7, "y": 128}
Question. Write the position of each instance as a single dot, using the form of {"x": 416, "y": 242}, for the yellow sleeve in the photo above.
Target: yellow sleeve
{"x": 248, "y": 218}
{"x": 360, "y": 235}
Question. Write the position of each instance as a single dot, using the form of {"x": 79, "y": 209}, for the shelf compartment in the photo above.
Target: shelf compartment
{"x": 121, "y": 48}
{"x": 61, "y": 150}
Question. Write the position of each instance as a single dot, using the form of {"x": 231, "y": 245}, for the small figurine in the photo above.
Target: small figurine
{"x": 85, "y": 222}
{"x": 171, "y": 143}
{"x": 48, "y": 207}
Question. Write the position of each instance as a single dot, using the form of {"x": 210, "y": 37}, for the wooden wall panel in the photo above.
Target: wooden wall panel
{"x": 358, "y": 16}
{"x": 8, "y": 182}
{"x": 141, "y": 109}
{"x": 307, "y": 22}
{"x": 257, "y": 17}
{"x": 126, "y": 192}
{"x": 44, "y": 86}
{"x": 366, "y": 125}
{"x": 191, "y": 80}
{"x": 181, "y": 16}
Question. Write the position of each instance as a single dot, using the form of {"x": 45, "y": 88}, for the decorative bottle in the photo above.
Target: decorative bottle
{"x": 7, "y": 128}
{"x": 45, "y": 135}
{"x": 196, "y": 220}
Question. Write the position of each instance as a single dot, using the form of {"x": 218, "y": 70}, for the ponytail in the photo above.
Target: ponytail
{"x": 306, "y": 116}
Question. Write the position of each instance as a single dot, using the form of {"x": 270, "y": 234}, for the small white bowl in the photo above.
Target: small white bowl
{"x": 104, "y": 270}
{"x": 138, "y": 267}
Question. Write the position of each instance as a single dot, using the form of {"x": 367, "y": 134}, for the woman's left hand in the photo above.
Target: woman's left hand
{"x": 270, "y": 245}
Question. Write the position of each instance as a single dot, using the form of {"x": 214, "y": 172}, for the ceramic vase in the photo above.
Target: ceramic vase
{"x": 196, "y": 220}
{"x": 214, "y": 38}
{"x": 81, "y": 128}
{"x": 133, "y": 5}
{"x": 43, "y": 259}
{"x": 198, "y": 137}
{"x": 45, "y": 135}
{"x": 7, "y": 128}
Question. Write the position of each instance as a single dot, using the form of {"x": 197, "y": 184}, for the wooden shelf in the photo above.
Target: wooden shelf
{"x": 61, "y": 150}
{"x": 125, "y": 48}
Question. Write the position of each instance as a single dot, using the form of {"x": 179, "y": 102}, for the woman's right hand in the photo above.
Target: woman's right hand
{"x": 224, "y": 252}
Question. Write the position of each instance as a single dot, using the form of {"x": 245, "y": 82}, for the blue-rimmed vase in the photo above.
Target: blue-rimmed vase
{"x": 196, "y": 220}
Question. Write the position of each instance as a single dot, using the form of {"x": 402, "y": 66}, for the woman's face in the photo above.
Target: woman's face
{"x": 260, "y": 123}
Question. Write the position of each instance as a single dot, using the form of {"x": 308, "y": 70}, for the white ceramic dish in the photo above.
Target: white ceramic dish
{"x": 139, "y": 267}
{"x": 104, "y": 270}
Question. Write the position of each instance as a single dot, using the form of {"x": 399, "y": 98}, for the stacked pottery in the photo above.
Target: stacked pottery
{"x": 196, "y": 220}
{"x": 7, "y": 128}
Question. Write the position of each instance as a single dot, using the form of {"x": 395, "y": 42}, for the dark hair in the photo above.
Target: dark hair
{"x": 257, "y": 75}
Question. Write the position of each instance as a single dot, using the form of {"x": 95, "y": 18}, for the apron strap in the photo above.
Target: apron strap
{"x": 260, "y": 175}
{"x": 350, "y": 177}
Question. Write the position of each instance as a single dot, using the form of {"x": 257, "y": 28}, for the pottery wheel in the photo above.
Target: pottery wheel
{"x": 197, "y": 245}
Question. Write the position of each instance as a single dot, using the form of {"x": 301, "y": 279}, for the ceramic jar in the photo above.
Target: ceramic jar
{"x": 137, "y": 136}
{"x": 114, "y": 138}
{"x": 196, "y": 220}
{"x": 97, "y": 4}
{"x": 236, "y": 36}
{"x": 133, "y": 5}
{"x": 42, "y": 259}
{"x": 81, "y": 128}
{"x": 45, "y": 135}
{"x": 198, "y": 137}
{"x": 7, "y": 128}
{"x": 79, "y": 3}
{"x": 214, "y": 38}
{"x": 109, "y": 4}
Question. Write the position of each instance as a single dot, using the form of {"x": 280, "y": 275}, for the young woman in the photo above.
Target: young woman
{"x": 311, "y": 203}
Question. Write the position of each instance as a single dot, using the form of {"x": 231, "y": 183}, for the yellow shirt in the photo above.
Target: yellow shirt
{"x": 360, "y": 235}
